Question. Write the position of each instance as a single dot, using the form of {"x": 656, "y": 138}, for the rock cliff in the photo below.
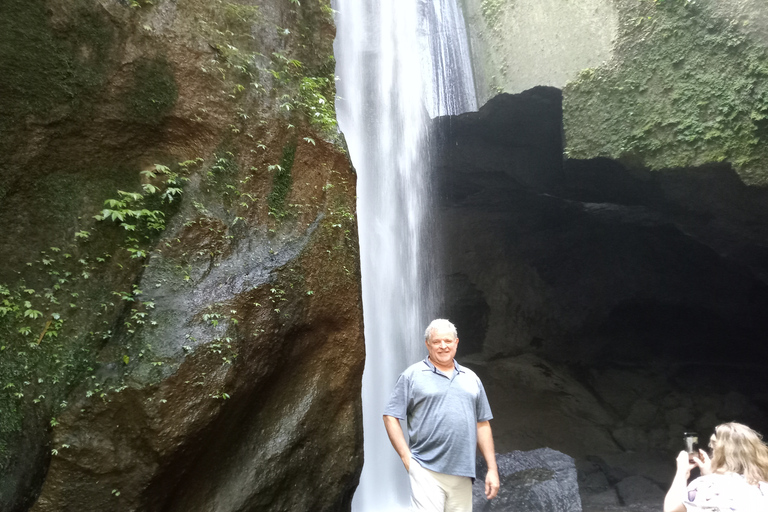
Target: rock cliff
{"x": 605, "y": 228}
{"x": 180, "y": 303}
{"x": 652, "y": 83}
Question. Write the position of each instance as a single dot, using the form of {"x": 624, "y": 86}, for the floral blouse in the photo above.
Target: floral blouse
{"x": 728, "y": 492}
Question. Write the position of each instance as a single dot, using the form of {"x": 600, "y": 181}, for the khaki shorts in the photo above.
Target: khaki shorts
{"x": 438, "y": 492}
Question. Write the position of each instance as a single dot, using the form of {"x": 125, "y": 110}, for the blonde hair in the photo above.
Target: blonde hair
{"x": 739, "y": 449}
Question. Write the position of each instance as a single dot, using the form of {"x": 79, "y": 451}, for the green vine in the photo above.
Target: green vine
{"x": 139, "y": 213}
{"x": 281, "y": 182}
{"x": 50, "y": 331}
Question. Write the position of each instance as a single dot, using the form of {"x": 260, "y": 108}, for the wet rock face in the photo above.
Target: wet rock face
{"x": 180, "y": 309}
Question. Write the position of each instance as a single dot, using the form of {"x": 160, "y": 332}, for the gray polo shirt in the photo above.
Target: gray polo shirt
{"x": 442, "y": 415}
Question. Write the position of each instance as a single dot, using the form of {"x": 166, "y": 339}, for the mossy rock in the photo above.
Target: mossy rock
{"x": 687, "y": 88}
{"x": 46, "y": 67}
{"x": 153, "y": 92}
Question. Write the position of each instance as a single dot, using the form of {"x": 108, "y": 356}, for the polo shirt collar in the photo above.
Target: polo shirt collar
{"x": 434, "y": 369}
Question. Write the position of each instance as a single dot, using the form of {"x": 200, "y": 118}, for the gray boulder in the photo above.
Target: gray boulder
{"x": 542, "y": 480}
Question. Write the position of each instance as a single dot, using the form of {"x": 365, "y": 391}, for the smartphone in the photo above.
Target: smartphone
{"x": 691, "y": 443}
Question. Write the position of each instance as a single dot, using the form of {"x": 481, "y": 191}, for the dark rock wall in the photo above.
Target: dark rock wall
{"x": 607, "y": 309}
{"x": 179, "y": 305}
{"x": 579, "y": 260}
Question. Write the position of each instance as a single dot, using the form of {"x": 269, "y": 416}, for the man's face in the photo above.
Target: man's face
{"x": 442, "y": 347}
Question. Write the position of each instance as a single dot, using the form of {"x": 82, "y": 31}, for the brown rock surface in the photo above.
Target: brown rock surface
{"x": 201, "y": 348}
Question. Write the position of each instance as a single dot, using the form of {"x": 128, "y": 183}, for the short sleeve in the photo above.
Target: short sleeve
{"x": 398, "y": 400}
{"x": 482, "y": 407}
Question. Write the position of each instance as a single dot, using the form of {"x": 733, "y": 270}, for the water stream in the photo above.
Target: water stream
{"x": 399, "y": 62}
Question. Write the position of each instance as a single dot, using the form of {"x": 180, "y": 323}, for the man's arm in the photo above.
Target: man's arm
{"x": 485, "y": 443}
{"x": 396, "y": 437}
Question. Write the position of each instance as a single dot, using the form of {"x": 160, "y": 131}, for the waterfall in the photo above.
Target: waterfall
{"x": 399, "y": 62}
{"x": 451, "y": 88}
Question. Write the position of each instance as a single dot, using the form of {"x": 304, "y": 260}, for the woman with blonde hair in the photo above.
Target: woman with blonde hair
{"x": 733, "y": 480}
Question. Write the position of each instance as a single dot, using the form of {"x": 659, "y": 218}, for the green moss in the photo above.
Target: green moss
{"x": 221, "y": 178}
{"x": 315, "y": 101}
{"x": 224, "y": 164}
{"x": 237, "y": 18}
{"x": 282, "y": 181}
{"x": 62, "y": 194}
{"x": 10, "y": 424}
{"x": 227, "y": 19}
{"x": 529, "y": 477}
{"x": 45, "y": 68}
{"x": 687, "y": 88}
{"x": 228, "y": 27}
{"x": 492, "y": 10}
{"x": 153, "y": 92}
{"x": 62, "y": 203}
{"x": 314, "y": 78}
{"x": 315, "y": 28}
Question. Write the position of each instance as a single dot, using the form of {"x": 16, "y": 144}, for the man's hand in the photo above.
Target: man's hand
{"x": 492, "y": 483}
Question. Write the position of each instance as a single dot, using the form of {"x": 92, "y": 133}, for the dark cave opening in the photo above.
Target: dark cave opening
{"x": 643, "y": 292}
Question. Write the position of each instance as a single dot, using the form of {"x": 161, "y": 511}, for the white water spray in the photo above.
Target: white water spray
{"x": 399, "y": 61}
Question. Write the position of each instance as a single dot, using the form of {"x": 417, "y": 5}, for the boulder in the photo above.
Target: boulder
{"x": 542, "y": 480}
{"x": 637, "y": 490}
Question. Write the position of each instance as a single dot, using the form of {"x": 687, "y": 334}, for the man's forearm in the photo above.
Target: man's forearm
{"x": 485, "y": 444}
{"x": 396, "y": 437}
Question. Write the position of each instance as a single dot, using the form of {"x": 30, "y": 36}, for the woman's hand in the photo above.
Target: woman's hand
{"x": 684, "y": 464}
{"x": 704, "y": 462}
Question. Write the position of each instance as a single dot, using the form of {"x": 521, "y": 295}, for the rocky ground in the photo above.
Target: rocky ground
{"x": 622, "y": 425}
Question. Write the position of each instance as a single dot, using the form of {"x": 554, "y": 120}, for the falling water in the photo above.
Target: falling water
{"x": 451, "y": 89}
{"x": 399, "y": 62}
